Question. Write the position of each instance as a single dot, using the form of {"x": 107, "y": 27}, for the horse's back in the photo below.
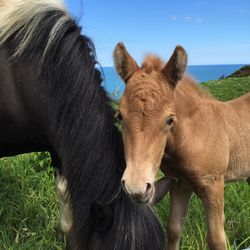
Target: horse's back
{"x": 238, "y": 128}
{"x": 20, "y": 107}
{"x": 242, "y": 105}
{"x": 8, "y": 88}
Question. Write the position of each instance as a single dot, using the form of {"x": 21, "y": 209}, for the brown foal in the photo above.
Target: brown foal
{"x": 205, "y": 142}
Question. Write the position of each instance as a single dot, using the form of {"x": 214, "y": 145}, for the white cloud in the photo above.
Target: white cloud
{"x": 173, "y": 18}
{"x": 200, "y": 3}
{"x": 243, "y": 11}
{"x": 188, "y": 18}
{"x": 199, "y": 19}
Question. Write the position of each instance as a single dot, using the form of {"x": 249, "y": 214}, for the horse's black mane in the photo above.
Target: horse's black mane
{"x": 81, "y": 121}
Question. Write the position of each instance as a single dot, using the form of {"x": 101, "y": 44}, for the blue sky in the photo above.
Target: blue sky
{"x": 211, "y": 31}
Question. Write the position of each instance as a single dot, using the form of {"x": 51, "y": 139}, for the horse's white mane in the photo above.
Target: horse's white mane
{"x": 24, "y": 16}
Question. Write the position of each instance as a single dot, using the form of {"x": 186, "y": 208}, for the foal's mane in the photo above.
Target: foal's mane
{"x": 80, "y": 118}
{"x": 191, "y": 87}
{"x": 152, "y": 62}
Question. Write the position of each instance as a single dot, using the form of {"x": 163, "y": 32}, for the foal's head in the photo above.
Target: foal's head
{"x": 147, "y": 114}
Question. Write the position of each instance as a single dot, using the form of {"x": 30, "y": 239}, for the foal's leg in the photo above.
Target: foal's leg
{"x": 179, "y": 200}
{"x": 248, "y": 180}
{"x": 163, "y": 185}
{"x": 212, "y": 196}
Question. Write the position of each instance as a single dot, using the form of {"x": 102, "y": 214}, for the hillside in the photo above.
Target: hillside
{"x": 228, "y": 88}
{"x": 242, "y": 72}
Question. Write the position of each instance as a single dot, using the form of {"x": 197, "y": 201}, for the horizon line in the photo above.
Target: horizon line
{"x": 245, "y": 64}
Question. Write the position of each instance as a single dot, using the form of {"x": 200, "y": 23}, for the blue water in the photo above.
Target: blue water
{"x": 202, "y": 73}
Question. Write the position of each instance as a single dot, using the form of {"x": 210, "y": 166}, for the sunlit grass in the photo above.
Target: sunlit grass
{"x": 28, "y": 206}
{"x": 228, "y": 88}
{"x": 29, "y": 213}
{"x": 237, "y": 218}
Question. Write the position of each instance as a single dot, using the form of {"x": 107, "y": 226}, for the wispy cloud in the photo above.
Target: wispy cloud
{"x": 200, "y": 3}
{"x": 186, "y": 19}
{"x": 243, "y": 11}
{"x": 173, "y": 18}
{"x": 199, "y": 19}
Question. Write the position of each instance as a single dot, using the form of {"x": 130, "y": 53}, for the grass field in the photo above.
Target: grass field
{"x": 28, "y": 207}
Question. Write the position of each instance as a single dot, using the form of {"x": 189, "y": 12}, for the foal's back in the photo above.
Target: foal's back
{"x": 237, "y": 124}
{"x": 242, "y": 105}
{"x": 218, "y": 132}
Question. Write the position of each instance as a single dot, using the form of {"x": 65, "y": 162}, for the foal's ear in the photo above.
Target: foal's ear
{"x": 125, "y": 65}
{"x": 176, "y": 66}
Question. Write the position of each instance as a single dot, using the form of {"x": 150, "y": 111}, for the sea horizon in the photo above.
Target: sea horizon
{"x": 201, "y": 73}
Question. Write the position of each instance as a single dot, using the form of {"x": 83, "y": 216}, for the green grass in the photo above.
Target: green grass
{"x": 228, "y": 88}
{"x": 28, "y": 206}
{"x": 237, "y": 218}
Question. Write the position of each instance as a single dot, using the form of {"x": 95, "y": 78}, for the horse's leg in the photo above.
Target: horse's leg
{"x": 65, "y": 211}
{"x": 66, "y": 218}
{"x": 180, "y": 195}
{"x": 212, "y": 196}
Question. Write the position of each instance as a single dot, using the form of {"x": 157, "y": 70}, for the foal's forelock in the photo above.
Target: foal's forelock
{"x": 152, "y": 62}
{"x": 150, "y": 101}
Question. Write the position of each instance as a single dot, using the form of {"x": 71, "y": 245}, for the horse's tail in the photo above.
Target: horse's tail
{"x": 135, "y": 227}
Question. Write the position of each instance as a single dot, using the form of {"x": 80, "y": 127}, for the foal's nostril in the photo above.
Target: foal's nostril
{"x": 148, "y": 188}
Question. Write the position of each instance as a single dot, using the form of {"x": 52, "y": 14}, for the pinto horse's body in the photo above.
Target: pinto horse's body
{"x": 20, "y": 121}
{"x": 51, "y": 99}
{"x": 205, "y": 142}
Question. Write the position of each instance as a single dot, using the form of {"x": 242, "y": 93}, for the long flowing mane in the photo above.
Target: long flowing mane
{"x": 19, "y": 16}
{"x": 80, "y": 118}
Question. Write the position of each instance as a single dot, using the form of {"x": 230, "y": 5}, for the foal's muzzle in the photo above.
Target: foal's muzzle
{"x": 140, "y": 197}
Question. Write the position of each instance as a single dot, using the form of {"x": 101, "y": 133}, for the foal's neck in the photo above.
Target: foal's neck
{"x": 194, "y": 109}
{"x": 190, "y": 98}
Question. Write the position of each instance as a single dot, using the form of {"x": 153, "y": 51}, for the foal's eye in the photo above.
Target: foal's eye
{"x": 170, "y": 121}
{"x": 118, "y": 116}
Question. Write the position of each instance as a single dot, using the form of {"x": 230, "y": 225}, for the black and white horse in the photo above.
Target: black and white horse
{"x": 51, "y": 100}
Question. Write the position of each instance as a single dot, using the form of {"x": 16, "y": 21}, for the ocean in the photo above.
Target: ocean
{"x": 202, "y": 73}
